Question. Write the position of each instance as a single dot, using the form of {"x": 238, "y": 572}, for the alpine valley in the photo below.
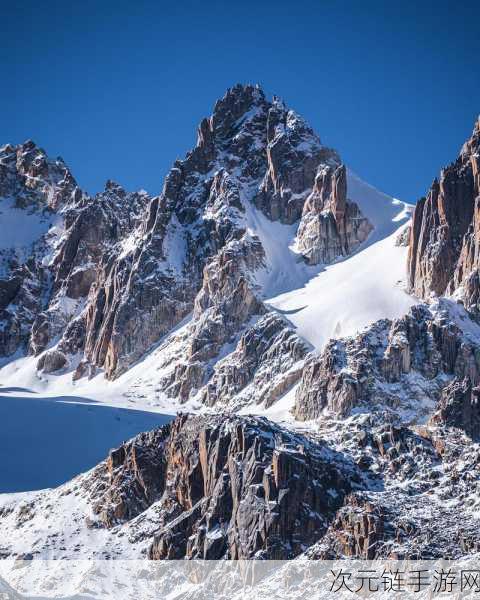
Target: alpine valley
{"x": 309, "y": 346}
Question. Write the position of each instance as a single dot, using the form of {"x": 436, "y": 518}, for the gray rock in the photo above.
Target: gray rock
{"x": 368, "y": 368}
{"x": 460, "y": 407}
{"x": 265, "y": 364}
{"x": 51, "y": 360}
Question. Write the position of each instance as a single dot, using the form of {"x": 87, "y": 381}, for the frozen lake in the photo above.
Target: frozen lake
{"x": 45, "y": 441}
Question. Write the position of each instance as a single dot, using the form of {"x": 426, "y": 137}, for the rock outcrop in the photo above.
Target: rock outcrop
{"x": 460, "y": 407}
{"x": 331, "y": 226}
{"x": 131, "y": 479}
{"x": 223, "y": 487}
{"x": 445, "y": 234}
{"x": 390, "y": 364}
{"x": 359, "y": 530}
{"x": 93, "y": 229}
{"x": 288, "y": 180}
{"x": 265, "y": 364}
{"x": 419, "y": 504}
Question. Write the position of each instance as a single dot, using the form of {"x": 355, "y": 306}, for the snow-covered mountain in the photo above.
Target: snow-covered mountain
{"x": 259, "y": 216}
{"x": 265, "y": 289}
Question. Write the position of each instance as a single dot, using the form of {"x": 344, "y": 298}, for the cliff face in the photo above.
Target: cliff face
{"x": 244, "y": 488}
{"x": 444, "y": 239}
{"x": 331, "y": 225}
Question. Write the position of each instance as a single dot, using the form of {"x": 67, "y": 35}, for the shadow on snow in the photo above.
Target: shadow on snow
{"x": 47, "y": 441}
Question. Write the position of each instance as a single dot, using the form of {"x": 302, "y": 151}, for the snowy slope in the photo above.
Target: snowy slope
{"x": 343, "y": 297}
{"x": 20, "y": 230}
{"x": 20, "y": 227}
{"x": 384, "y": 212}
{"x": 135, "y": 389}
{"x": 349, "y": 295}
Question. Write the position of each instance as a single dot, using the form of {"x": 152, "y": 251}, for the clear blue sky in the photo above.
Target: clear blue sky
{"x": 118, "y": 88}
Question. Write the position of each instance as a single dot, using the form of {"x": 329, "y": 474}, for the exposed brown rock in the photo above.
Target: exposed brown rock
{"x": 444, "y": 239}
{"x": 225, "y": 487}
{"x": 358, "y": 531}
{"x": 331, "y": 226}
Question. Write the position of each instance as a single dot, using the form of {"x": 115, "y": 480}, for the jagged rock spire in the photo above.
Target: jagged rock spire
{"x": 444, "y": 241}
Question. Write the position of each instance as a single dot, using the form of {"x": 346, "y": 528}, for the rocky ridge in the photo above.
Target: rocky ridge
{"x": 124, "y": 269}
{"x": 214, "y": 486}
{"x": 444, "y": 239}
{"x": 401, "y": 365}
{"x": 225, "y": 486}
{"x": 390, "y": 472}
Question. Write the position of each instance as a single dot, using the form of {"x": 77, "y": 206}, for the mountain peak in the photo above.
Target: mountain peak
{"x": 242, "y": 90}
{"x": 113, "y": 186}
{"x": 237, "y": 102}
{"x": 217, "y": 294}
